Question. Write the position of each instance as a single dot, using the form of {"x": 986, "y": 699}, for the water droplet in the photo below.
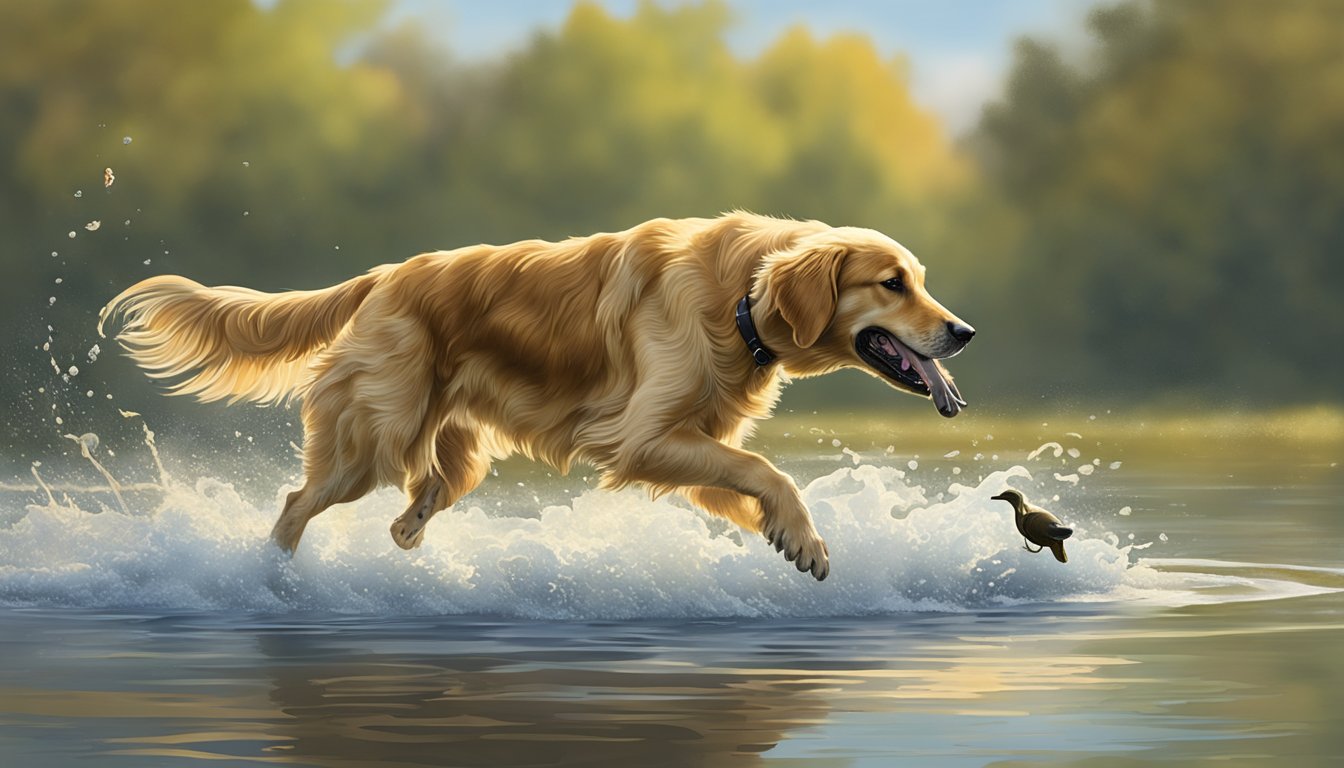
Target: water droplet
{"x": 835, "y": 443}
{"x": 72, "y": 234}
{"x": 1125, "y": 511}
{"x": 74, "y": 370}
{"x": 1162, "y": 536}
{"x": 125, "y": 139}
{"x": 912, "y": 464}
{"x": 79, "y": 193}
{"x": 51, "y": 300}
{"x": 93, "y": 226}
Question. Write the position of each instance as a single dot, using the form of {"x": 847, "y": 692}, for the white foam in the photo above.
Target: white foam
{"x": 601, "y": 555}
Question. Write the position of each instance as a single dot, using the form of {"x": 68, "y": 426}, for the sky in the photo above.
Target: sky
{"x": 959, "y": 50}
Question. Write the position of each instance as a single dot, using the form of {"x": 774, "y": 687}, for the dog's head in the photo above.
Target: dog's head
{"x": 849, "y": 297}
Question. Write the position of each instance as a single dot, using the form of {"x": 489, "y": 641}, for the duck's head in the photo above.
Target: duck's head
{"x": 1011, "y": 496}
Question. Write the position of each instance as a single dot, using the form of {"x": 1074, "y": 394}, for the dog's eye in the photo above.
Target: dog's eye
{"x": 894, "y": 284}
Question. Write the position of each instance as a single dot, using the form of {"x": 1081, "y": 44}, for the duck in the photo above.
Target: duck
{"x": 1037, "y": 525}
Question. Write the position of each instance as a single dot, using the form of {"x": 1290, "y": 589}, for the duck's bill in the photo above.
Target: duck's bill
{"x": 908, "y": 370}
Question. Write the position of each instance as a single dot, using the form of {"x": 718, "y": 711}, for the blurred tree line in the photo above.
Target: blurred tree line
{"x": 1156, "y": 217}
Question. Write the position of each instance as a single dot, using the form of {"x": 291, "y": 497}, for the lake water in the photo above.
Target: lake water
{"x": 1200, "y": 618}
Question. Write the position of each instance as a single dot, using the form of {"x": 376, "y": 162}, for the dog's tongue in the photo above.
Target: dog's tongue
{"x": 945, "y": 395}
{"x": 941, "y": 389}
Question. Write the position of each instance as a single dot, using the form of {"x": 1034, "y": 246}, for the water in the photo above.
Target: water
{"x": 547, "y": 624}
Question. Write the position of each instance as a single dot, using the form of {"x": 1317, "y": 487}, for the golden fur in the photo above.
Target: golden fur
{"x": 619, "y": 350}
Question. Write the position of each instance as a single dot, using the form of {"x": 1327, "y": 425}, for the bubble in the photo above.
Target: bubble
{"x": 912, "y": 464}
{"x": 71, "y": 234}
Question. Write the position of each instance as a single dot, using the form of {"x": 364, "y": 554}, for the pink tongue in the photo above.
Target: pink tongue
{"x": 940, "y": 389}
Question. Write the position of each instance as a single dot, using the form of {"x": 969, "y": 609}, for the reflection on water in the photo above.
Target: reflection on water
{"x": 930, "y": 689}
{"x": 1243, "y": 668}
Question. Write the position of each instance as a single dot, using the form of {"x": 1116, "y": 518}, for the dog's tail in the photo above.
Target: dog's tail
{"x": 229, "y": 342}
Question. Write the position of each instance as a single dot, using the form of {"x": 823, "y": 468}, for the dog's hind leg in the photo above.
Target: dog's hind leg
{"x": 459, "y": 466}
{"x": 361, "y": 416}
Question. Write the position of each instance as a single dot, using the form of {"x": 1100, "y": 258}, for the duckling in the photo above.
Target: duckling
{"x": 1037, "y": 525}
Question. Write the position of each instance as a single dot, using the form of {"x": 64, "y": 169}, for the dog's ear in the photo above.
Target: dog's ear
{"x": 806, "y": 291}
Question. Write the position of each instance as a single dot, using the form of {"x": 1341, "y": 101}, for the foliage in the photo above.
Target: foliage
{"x": 1157, "y": 216}
{"x": 1175, "y": 199}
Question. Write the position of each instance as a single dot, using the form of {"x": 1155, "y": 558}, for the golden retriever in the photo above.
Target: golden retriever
{"x": 623, "y": 350}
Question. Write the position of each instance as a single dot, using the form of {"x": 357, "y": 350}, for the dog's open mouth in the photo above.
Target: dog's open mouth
{"x": 908, "y": 369}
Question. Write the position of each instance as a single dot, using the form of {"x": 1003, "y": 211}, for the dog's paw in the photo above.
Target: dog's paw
{"x": 804, "y": 548}
{"x": 407, "y": 536}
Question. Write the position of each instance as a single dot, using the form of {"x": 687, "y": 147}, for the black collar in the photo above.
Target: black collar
{"x": 759, "y": 353}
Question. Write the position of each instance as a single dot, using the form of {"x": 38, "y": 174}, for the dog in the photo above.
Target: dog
{"x": 648, "y": 353}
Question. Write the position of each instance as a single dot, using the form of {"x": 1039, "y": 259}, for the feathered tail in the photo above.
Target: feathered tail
{"x": 230, "y": 342}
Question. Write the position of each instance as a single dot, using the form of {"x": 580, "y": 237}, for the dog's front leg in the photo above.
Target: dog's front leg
{"x": 683, "y": 459}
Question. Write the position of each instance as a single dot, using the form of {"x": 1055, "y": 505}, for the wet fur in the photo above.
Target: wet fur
{"x": 618, "y": 350}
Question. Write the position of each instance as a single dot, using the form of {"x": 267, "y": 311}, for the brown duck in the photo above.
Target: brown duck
{"x": 1037, "y": 525}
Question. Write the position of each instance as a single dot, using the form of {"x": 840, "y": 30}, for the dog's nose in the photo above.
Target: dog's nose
{"x": 960, "y": 331}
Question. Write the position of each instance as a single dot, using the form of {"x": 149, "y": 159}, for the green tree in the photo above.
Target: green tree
{"x": 1173, "y": 200}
